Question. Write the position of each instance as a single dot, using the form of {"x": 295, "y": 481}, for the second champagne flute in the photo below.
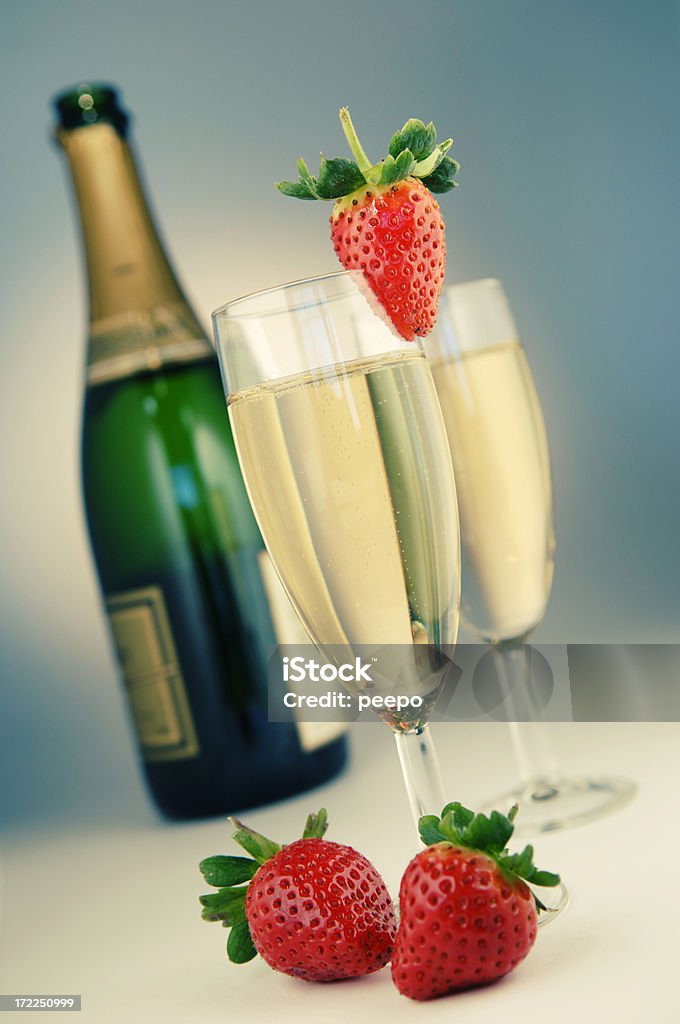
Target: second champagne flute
{"x": 344, "y": 453}
{"x": 500, "y": 455}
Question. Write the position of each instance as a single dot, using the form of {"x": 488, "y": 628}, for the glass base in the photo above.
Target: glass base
{"x": 551, "y": 805}
{"x": 554, "y": 899}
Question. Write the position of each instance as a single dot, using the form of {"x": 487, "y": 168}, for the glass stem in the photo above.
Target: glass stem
{"x": 421, "y": 771}
{"x": 533, "y": 750}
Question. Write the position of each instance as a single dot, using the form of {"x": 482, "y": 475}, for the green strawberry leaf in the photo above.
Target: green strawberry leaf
{"x": 338, "y": 178}
{"x": 447, "y": 826}
{"x": 305, "y": 188}
{"x": 296, "y": 189}
{"x": 544, "y": 878}
{"x": 227, "y": 905}
{"x": 220, "y": 871}
{"x": 490, "y": 833}
{"x": 424, "y": 168}
{"x": 240, "y": 946}
{"x": 430, "y": 833}
{"x": 258, "y": 846}
{"x": 462, "y": 816}
{"x": 519, "y": 863}
{"x": 442, "y": 178}
{"x": 316, "y": 825}
{"x": 391, "y": 171}
{"x": 415, "y": 136}
{"x": 405, "y": 164}
{"x": 306, "y": 177}
{"x": 385, "y": 172}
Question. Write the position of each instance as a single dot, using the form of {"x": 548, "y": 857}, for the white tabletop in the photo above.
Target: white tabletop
{"x": 113, "y": 913}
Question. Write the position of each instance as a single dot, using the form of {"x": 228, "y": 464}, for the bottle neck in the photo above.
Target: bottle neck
{"x": 139, "y": 317}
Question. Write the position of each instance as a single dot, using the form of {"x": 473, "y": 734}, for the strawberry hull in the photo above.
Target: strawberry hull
{"x": 462, "y": 923}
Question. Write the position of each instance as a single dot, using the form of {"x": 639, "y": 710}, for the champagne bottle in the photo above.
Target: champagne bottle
{"x": 184, "y": 575}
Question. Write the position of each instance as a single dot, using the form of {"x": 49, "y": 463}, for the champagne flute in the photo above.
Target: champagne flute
{"x": 345, "y": 457}
{"x": 502, "y": 466}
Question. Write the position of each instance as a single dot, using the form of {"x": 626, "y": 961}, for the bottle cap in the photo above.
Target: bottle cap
{"x": 90, "y": 104}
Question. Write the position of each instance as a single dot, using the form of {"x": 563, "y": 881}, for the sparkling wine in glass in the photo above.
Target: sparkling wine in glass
{"x": 501, "y": 461}
{"x": 344, "y": 453}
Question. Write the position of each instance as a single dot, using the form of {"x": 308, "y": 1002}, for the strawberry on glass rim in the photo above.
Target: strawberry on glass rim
{"x": 386, "y": 223}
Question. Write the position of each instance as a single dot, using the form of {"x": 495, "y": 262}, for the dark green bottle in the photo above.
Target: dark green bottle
{"x": 185, "y": 579}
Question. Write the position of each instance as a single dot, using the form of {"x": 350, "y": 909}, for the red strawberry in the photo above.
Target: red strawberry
{"x": 316, "y": 910}
{"x": 467, "y": 914}
{"x": 395, "y": 235}
{"x": 385, "y": 222}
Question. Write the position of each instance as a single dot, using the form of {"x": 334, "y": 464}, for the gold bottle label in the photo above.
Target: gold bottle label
{"x": 143, "y": 340}
{"x": 289, "y": 630}
{"x": 153, "y": 678}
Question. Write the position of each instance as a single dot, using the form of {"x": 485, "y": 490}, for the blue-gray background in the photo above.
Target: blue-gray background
{"x": 565, "y": 119}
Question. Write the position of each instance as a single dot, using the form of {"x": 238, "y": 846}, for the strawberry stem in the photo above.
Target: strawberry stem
{"x": 364, "y": 164}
